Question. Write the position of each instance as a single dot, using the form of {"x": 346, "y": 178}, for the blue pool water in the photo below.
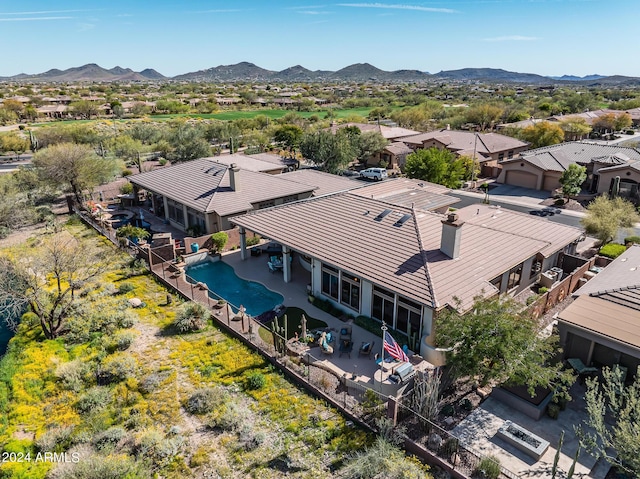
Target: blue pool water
{"x": 222, "y": 280}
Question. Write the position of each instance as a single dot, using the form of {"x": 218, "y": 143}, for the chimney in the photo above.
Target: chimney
{"x": 234, "y": 177}
{"x": 450, "y": 239}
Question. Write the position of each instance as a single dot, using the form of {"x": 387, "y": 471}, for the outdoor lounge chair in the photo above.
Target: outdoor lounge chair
{"x": 579, "y": 367}
{"x": 366, "y": 349}
{"x": 345, "y": 333}
{"x": 346, "y": 347}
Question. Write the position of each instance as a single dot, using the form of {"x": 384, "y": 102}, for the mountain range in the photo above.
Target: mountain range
{"x": 245, "y": 71}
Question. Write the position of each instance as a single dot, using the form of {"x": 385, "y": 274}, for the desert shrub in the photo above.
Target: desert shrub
{"x": 256, "y": 380}
{"x": 43, "y": 213}
{"x": 127, "y": 172}
{"x": 219, "y": 239}
{"x": 612, "y": 250}
{"x": 489, "y": 467}
{"x": 126, "y": 188}
{"x": 632, "y": 239}
{"x": 71, "y": 375}
{"x": 250, "y": 439}
{"x": 204, "y": 400}
{"x": 153, "y": 445}
{"x": 116, "y": 368}
{"x": 125, "y": 287}
{"x": 152, "y": 382}
{"x": 56, "y": 439}
{"x": 531, "y": 299}
{"x": 122, "y": 340}
{"x": 109, "y": 438}
{"x": 97, "y": 466}
{"x": 559, "y": 202}
{"x": 232, "y": 417}
{"x": 191, "y": 317}
{"x": 542, "y": 290}
{"x": 95, "y": 399}
{"x": 127, "y": 319}
{"x": 254, "y": 240}
{"x": 162, "y": 161}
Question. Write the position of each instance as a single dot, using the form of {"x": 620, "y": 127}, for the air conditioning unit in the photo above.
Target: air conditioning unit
{"x": 548, "y": 278}
{"x": 559, "y": 273}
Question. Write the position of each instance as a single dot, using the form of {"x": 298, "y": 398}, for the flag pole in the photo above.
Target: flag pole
{"x": 384, "y": 331}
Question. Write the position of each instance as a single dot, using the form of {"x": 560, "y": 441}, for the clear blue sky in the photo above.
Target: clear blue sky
{"x": 548, "y": 37}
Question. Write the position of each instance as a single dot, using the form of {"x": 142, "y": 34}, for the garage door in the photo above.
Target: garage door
{"x": 522, "y": 179}
{"x": 550, "y": 183}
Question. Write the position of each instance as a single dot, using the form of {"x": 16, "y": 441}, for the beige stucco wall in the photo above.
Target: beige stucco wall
{"x": 607, "y": 176}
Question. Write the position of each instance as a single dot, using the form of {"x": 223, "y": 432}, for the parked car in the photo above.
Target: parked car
{"x": 376, "y": 174}
{"x": 545, "y": 212}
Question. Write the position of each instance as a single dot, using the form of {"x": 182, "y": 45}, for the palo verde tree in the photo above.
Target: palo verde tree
{"x": 497, "y": 342}
{"x": 618, "y": 442}
{"x": 605, "y": 216}
{"x": 572, "y": 179}
{"x": 76, "y": 168}
{"x": 47, "y": 282}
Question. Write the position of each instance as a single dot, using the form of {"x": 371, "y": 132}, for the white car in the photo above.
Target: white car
{"x": 377, "y": 174}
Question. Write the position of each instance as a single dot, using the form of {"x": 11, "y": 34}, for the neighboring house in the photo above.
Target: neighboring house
{"x": 393, "y": 156}
{"x": 204, "y": 193}
{"x": 289, "y": 164}
{"x": 489, "y": 149}
{"x": 540, "y": 169}
{"x": 403, "y": 265}
{"x": 391, "y": 133}
{"x": 602, "y": 324}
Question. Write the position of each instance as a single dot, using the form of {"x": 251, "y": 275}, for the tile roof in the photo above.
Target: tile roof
{"x": 409, "y": 260}
{"x": 246, "y": 162}
{"x": 422, "y": 195}
{"x": 466, "y": 140}
{"x": 559, "y": 157}
{"x": 388, "y": 132}
{"x": 324, "y": 183}
{"x": 204, "y": 185}
{"x": 606, "y": 318}
{"x": 623, "y": 272}
{"x": 275, "y": 159}
{"x": 398, "y": 148}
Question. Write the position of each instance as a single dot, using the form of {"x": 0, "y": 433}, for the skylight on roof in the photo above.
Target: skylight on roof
{"x": 402, "y": 220}
{"x": 382, "y": 215}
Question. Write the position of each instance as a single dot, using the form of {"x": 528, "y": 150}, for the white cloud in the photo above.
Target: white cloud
{"x": 511, "y": 38}
{"x": 43, "y": 12}
{"x": 83, "y": 27}
{"x": 395, "y": 6}
{"x": 313, "y": 12}
{"x": 30, "y": 19}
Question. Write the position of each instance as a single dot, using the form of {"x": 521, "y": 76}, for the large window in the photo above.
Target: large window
{"x": 515, "y": 275}
{"x": 330, "y": 281}
{"x": 409, "y": 317}
{"x": 350, "y": 292}
{"x": 383, "y": 305}
{"x": 176, "y": 213}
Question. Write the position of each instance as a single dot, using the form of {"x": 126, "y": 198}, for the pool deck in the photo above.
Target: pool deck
{"x": 360, "y": 368}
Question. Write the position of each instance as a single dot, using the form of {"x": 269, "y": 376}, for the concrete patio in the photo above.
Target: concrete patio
{"x": 254, "y": 268}
{"x": 478, "y": 432}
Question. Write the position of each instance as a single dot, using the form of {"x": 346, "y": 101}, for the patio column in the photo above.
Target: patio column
{"x": 166, "y": 207}
{"x": 243, "y": 243}
{"x": 286, "y": 263}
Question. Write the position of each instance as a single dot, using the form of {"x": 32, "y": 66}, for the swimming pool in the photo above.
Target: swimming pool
{"x": 222, "y": 280}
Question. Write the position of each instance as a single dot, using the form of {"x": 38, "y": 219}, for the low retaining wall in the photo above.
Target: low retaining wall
{"x": 519, "y": 404}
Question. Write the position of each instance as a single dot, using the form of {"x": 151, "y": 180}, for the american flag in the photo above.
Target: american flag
{"x": 393, "y": 348}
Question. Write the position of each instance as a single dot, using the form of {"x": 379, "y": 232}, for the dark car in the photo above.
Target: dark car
{"x": 551, "y": 211}
{"x": 538, "y": 213}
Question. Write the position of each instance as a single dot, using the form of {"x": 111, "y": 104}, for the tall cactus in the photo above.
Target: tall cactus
{"x": 33, "y": 139}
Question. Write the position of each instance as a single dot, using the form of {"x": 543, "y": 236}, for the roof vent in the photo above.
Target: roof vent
{"x": 382, "y": 215}
{"x": 402, "y": 221}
